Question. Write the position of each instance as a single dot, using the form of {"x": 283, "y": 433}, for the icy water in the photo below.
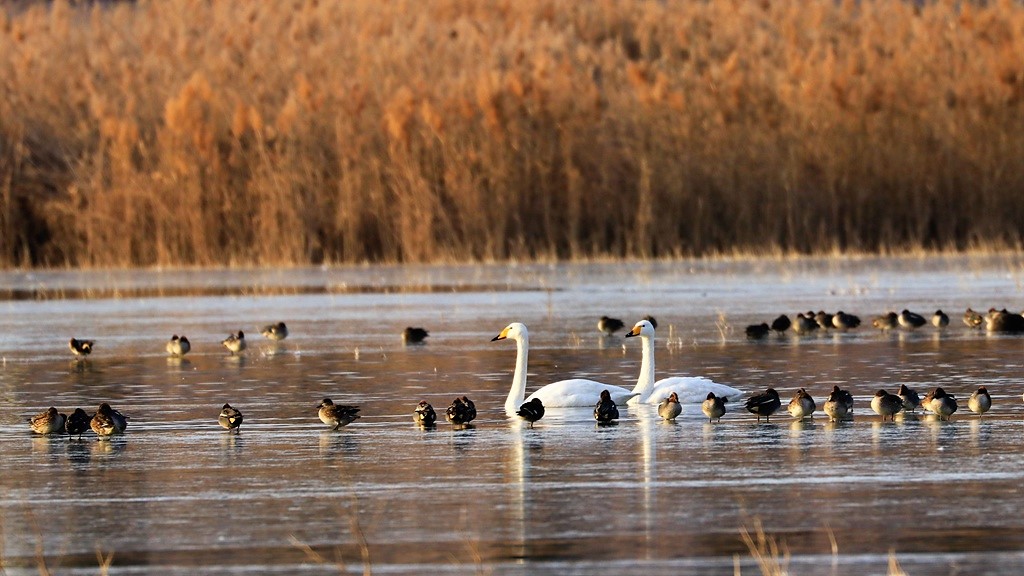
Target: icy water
{"x": 177, "y": 494}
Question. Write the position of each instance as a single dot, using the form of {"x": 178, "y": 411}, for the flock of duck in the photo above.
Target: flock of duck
{"x": 668, "y": 393}
{"x": 809, "y": 322}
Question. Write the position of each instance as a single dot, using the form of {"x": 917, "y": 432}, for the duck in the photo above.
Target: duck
{"x": 606, "y": 411}
{"x": 972, "y": 319}
{"x": 531, "y": 410}
{"x": 886, "y": 405}
{"x": 689, "y": 389}
{"x": 758, "y": 331}
{"x": 609, "y": 326}
{"x": 911, "y": 400}
{"x": 713, "y": 407}
{"x": 413, "y": 335}
{"x": 838, "y": 405}
{"x": 1004, "y": 321}
{"x": 764, "y": 404}
{"x": 107, "y": 421}
{"x": 80, "y": 348}
{"x": 235, "y": 343}
{"x": 424, "y": 414}
{"x": 77, "y": 423}
{"x": 336, "y": 415}
{"x": 781, "y": 323}
{"x": 48, "y": 421}
{"x": 824, "y": 319}
{"x": 802, "y": 405}
{"x": 564, "y": 393}
{"x": 461, "y": 411}
{"x": 887, "y": 321}
{"x": 803, "y": 324}
{"x": 275, "y": 332}
{"x": 940, "y": 319}
{"x": 843, "y": 321}
{"x": 230, "y": 418}
{"x": 178, "y": 345}
{"x": 670, "y": 408}
{"x": 941, "y": 403}
{"x": 980, "y": 402}
{"x": 910, "y": 320}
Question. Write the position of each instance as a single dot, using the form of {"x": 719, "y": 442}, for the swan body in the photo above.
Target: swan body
{"x": 688, "y": 389}
{"x": 561, "y": 394}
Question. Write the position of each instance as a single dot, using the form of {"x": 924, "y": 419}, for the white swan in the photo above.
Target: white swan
{"x": 564, "y": 393}
{"x": 689, "y": 389}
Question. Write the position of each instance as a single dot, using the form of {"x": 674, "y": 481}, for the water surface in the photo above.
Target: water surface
{"x": 178, "y": 495}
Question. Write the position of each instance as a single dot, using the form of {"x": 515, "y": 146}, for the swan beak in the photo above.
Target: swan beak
{"x": 634, "y": 332}
{"x": 502, "y": 336}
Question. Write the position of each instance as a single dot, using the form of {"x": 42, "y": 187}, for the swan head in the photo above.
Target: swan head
{"x": 641, "y": 328}
{"x": 515, "y": 331}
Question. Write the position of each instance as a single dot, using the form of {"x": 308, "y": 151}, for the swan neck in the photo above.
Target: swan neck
{"x": 518, "y": 392}
{"x": 646, "y": 379}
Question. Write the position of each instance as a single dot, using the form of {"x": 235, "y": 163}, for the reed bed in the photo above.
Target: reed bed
{"x": 190, "y": 132}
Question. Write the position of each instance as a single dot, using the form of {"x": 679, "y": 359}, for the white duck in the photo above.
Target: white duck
{"x": 564, "y": 393}
{"x": 689, "y": 389}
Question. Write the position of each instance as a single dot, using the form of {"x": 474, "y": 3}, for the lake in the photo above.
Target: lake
{"x": 177, "y": 494}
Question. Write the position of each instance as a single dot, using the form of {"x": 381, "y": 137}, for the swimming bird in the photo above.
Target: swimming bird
{"x": 781, "y": 324}
{"x": 972, "y": 319}
{"x": 230, "y": 418}
{"x": 531, "y": 411}
{"x": 980, "y": 402}
{"x": 803, "y": 324}
{"x": 651, "y": 319}
{"x": 886, "y": 405}
{"x": 413, "y": 335}
{"x": 824, "y": 319}
{"x": 47, "y": 421}
{"x": 713, "y": 407}
{"x": 77, "y": 423}
{"x": 941, "y": 403}
{"x": 274, "y": 332}
{"x": 461, "y": 411}
{"x": 1004, "y": 321}
{"x": 81, "y": 348}
{"x": 564, "y": 393}
{"x": 609, "y": 326}
{"x": 910, "y": 320}
{"x": 178, "y": 345}
{"x": 757, "y": 331}
{"x": 424, "y": 414}
{"x": 764, "y": 404}
{"x": 107, "y": 421}
{"x": 802, "y": 405}
{"x": 887, "y": 321}
{"x": 606, "y": 411}
{"x": 843, "y": 321}
{"x": 689, "y": 389}
{"x": 234, "y": 342}
{"x": 670, "y": 407}
{"x": 336, "y": 415}
{"x": 839, "y": 404}
{"x": 909, "y": 397}
{"x": 940, "y": 319}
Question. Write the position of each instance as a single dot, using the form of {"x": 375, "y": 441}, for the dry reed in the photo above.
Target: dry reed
{"x": 189, "y": 132}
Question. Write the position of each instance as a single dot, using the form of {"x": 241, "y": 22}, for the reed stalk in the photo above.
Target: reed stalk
{"x": 187, "y": 132}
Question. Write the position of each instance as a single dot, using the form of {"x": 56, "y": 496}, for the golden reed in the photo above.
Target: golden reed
{"x": 190, "y": 132}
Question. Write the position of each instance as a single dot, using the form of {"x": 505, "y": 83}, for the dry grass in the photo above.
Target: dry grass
{"x": 188, "y": 132}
